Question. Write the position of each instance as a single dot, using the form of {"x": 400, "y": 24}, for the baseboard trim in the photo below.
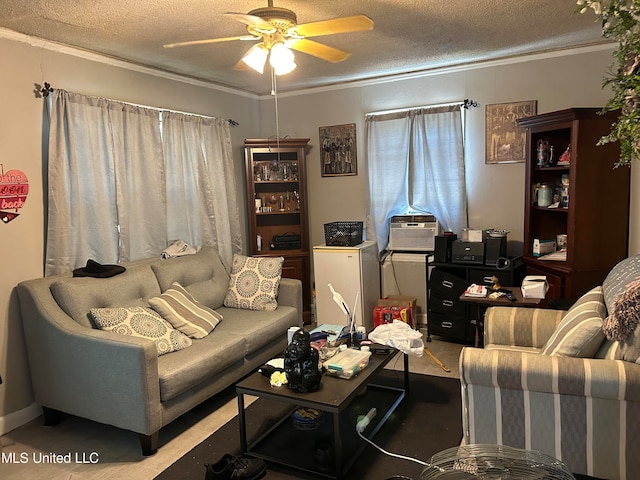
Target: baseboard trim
{"x": 16, "y": 419}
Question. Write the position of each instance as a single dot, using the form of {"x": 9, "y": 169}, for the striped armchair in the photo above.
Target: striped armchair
{"x": 528, "y": 390}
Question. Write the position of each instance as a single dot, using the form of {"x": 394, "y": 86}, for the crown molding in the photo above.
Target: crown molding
{"x": 95, "y": 57}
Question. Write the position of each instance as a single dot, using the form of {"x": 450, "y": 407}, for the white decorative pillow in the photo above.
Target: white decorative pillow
{"x": 185, "y": 313}
{"x": 140, "y": 322}
{"x": 254, "y": 283}
{"x": 579, "y": 333}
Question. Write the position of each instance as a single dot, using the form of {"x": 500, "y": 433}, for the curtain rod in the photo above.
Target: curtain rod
{"x": 466, "y": 103}
{"x": 45, "y": 90}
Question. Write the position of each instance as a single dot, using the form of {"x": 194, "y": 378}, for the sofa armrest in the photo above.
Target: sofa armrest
{"x": 290, "y": 294}
{"x": 95, "y": 374}
{"x": 533, "y": 372}
{"x": 520, "y": 326}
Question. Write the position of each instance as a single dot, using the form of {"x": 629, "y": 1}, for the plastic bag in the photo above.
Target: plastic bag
{"x": 178, "y": 248}
{"x": 399, "y": 335}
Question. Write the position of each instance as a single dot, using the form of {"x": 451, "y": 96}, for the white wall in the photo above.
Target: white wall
{"x": 495, "y": 191}
{"x": 21, "y": 115}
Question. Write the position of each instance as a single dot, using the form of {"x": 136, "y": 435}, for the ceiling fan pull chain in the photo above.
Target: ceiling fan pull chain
{"x": 274, "y": 92}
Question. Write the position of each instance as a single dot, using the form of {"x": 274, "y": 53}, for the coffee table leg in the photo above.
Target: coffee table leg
{"x": 406, "y": 374}
{"x": 241, "y": 419}
{"x": 337, "y": 444}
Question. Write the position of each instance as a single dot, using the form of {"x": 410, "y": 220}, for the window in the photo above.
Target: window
{"x": 119, "y": 189}
{"x": 415, "y": 161}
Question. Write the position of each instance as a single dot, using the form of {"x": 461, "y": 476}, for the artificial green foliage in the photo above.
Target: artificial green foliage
{"x": 620, "y": 22}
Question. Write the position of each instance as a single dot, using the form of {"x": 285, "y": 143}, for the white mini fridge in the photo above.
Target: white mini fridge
{"x": 348, "y": 270}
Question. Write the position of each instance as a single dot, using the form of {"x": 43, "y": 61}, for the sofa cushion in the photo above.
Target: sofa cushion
{"x": 259, "y": 328}
{"x": 254, "y": 283}
{"x": 205, "y": 359}
{"x": 141, "y": 322}
{"x": 579, "y": 333}
{"x": 184, "y": 312}
{"x": 132, "y": 288}
{"x": 203, "y": 275}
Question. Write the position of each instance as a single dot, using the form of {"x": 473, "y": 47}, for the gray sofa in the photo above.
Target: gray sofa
{"x": 581, "y": 409}
{"x": 120, "y": 380}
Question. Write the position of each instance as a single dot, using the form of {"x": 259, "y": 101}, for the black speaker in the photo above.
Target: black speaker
{"x": 442, "y": 250}
{"x": 495, "y": 248}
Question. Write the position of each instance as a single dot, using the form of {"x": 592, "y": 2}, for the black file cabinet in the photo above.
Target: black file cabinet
{"x": 449, "y": 317}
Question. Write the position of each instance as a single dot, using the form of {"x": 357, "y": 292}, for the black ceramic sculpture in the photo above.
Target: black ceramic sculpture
{"x": 301, "y": 363}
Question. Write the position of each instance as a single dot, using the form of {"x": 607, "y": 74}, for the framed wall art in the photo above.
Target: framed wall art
{"x": 505, "y": 141}
{"x": 338, "y": 150}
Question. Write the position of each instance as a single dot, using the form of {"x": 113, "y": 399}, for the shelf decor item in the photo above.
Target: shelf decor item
{"x": 338, "y": 150}
{"x": 620, "y": 21}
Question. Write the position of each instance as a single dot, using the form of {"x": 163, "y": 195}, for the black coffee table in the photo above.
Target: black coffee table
{"x": 332, "y": 448}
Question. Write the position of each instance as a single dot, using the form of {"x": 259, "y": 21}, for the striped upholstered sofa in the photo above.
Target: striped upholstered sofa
{"x": 577, "y": 400}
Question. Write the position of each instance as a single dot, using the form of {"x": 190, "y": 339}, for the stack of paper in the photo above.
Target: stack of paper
{"x": 474, "y": 290}
{"x": 560, "y": 255}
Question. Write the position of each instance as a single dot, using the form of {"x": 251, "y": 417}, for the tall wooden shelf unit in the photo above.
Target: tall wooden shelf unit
{"x": 596, "y": 219}
{"x": 276, "y": 175}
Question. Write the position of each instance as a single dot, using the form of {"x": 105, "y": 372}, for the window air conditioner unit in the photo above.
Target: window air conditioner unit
{"x": 413, "y": 233}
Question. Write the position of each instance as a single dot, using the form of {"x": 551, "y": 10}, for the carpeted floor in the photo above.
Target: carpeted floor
{"x": 427, "y": 421}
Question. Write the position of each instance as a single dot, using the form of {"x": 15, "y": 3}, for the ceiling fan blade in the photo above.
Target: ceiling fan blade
{"x": 210, "y": 40}
{"x": 355, "y": 23}
{"x": 325, "y": 52}
{"x": 252, "y": 21}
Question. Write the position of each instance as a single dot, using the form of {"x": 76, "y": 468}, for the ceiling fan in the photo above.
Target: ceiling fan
{"x": 279, "y": 33}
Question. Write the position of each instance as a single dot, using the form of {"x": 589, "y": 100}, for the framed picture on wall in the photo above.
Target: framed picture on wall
{"x": 338, "y": 150}
{"x": 505, "y": 141}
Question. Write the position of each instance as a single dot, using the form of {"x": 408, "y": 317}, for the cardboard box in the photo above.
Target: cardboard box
{"x": 543, "y": 247}
{"x": 387, "y": 315}
{"x": 534, "y": 286}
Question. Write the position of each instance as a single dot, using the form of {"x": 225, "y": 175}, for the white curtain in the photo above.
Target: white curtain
{"x": 199, "y": 168}
{"x": 415, "y": 161}
{"x": 125, "y": 180}
{"x": 104, "y": 157}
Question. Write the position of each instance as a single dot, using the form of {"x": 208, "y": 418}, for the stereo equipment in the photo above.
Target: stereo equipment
{"x": 412, "y": 233}
{"x": 443, "y": 244}
{"x": 467, "y": 252}
{"x": 288, "y": 241}
{"x": 495, "y": 248}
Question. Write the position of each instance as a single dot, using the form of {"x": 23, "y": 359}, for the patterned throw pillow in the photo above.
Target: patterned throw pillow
{"x": 184, "y": 312}
{"x": 140, "y": 322}
{"x": 579, "y": 333}
{"x": 254, "y": 283}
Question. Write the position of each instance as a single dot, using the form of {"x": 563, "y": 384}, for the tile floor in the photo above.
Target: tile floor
{"x": 92, "y": 451}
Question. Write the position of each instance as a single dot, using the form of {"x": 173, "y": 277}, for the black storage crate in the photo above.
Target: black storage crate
{"x": 343, "y": 234}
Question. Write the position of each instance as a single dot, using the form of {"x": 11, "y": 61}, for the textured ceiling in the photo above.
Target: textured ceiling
{"x": 408, "y": 36}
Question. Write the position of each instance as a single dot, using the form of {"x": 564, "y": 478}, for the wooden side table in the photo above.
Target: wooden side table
{"x": 503, "y": 301}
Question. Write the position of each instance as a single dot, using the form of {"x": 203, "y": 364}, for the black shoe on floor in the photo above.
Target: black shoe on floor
{"x": 234, "y": 467}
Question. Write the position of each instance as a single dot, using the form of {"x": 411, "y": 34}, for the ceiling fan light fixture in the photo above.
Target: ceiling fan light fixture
{"x": 281, "y": 59}
{"x": 256, "y": 57}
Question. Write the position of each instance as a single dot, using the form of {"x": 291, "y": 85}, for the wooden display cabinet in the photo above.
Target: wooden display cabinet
{"x": 595, "y": 216}
{"x": 275, "y": 172}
